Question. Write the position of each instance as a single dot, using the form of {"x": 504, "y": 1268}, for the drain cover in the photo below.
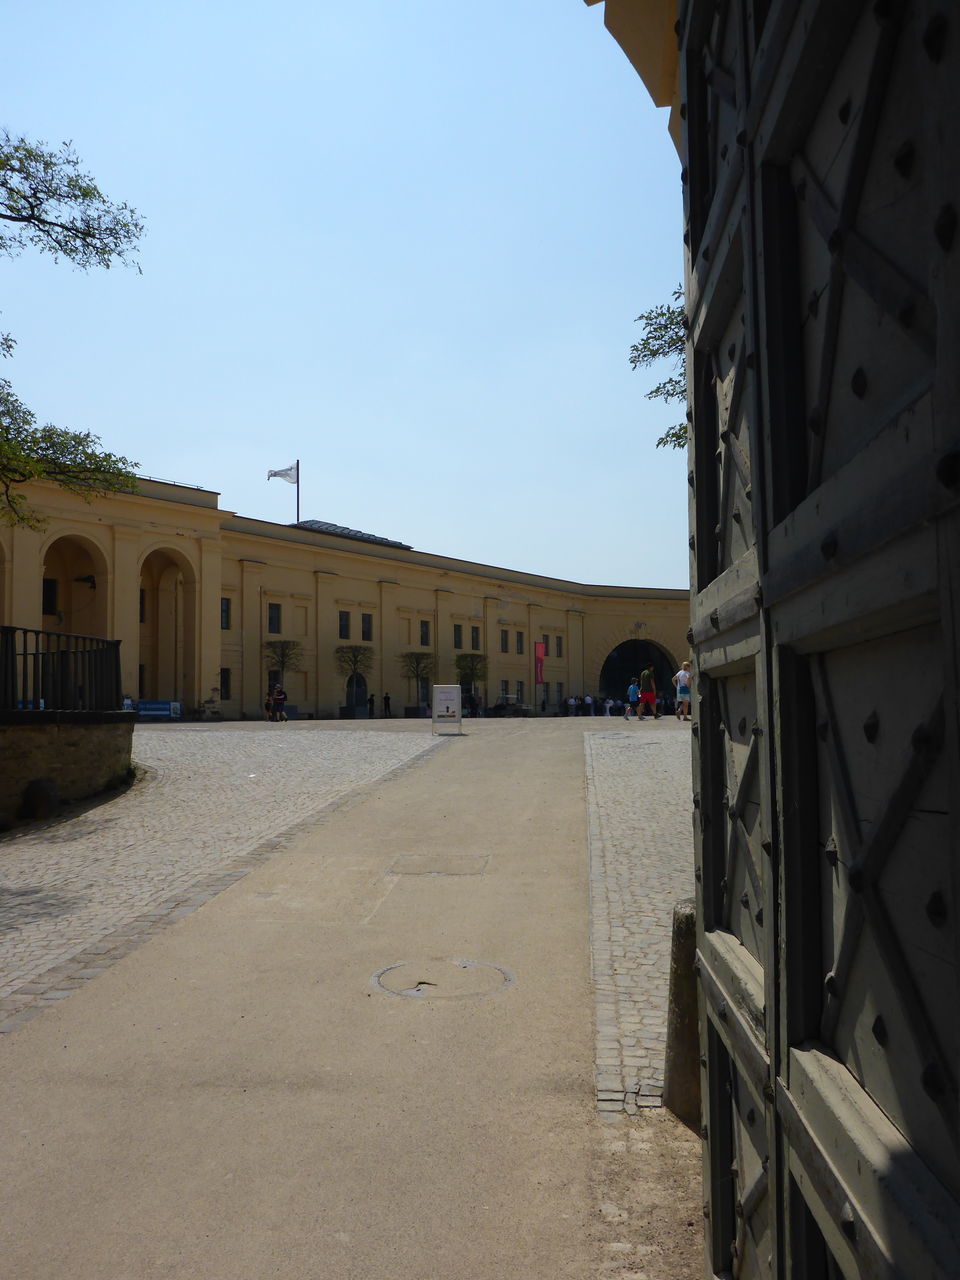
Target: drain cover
{"x": 442, "y": 979}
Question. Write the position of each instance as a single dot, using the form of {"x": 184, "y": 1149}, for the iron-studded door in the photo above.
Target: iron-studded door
{"x": 822, "y": 152}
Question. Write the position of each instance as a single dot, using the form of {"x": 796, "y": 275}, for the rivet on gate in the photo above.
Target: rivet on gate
{"x": 722, "y": 1010}
{"x": 880, "y": 1033}
{"x": 830, "y": 984}
{"x": 948, "y": 470}
{"x": 745, "y": 899}
{"x": 871, "y": 727}
{"x": 848, "y": 1223}
{"x": 831, "y": 851}
{"x": 945, "y": 227}
{"x": 767, "y": 847}
{"x": 856, "y": 878}
{"x": 823, "y": 729}
{"x": 904, "y": 158}
{"x": 935, "y": 37}
{"x": 829, "y": 546}
{"x": 937, "y": 909}
{"x": 759, "y": 917}
{"x": 843, "y": 112}
{"x": 858, "y": 383}
{"x": 932, "y": 1081}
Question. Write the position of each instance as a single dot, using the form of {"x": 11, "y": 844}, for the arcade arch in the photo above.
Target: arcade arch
{"x": 628, "y": 659}
{"x": 168, "y": 628}
{"x": 75, "y": 582}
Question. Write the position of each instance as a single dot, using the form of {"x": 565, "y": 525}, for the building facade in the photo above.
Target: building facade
{"x": 194, "y": 593}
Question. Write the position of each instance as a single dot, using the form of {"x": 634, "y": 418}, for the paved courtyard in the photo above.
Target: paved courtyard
{"x": 214, "y": 801}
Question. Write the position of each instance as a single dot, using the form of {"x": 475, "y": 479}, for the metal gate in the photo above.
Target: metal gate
{"x": 822, "y": 190}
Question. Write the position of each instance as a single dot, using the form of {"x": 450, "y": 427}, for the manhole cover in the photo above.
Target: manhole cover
{"x": 442, "y": 979}
{"x": 439, "y": 864}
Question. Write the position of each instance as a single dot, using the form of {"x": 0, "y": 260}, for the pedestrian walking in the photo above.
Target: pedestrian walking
{"x": 279, "y": 703}
{"x": 387, "y": 713}
{"x": 683, "y": 681}
{"x": 648, "y": 693}
{"x": 633, "y": 699}
{"x": 268, "y": 706}
{"x": 371, "y": 708}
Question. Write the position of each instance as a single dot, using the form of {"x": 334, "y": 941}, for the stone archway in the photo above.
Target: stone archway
{"x": 627, "y": 660}
{"x": 168, "y": 621}
{"x": 75, "y": 584}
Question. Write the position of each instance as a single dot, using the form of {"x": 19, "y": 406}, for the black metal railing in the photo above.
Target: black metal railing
{"x": 49, "y": 671}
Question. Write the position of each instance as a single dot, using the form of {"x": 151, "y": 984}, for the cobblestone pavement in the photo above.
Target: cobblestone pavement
{"x": 215, "y": 801}
{"x": 639, "y": 797}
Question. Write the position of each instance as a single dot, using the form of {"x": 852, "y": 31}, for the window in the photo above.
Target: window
{"x": 424, "y": 631}
{"x": 225, "y": 613}
{"x": 273, "y": 619}
{"x": 546, "y": 646}
{"x": 559, "y": 646}
{"x": 143, "y": 605}
{"x": 225, "y": 693}
{"x": 273, "y": 679}
{"x": 520, "y": 692}
{"x": 504, "y": 641}
{"x": 366, "y": 626}
{"x": 504, "y": 690}
{"x": 344, "y": 631}
{"x": 475, "y": 638}
{"x": 141, "y": 680}
{"x": 50, "y": 595}
{"x": 457, "y": 636}
{"x": 559, "y": 691}
{"x": 519, "y": 642}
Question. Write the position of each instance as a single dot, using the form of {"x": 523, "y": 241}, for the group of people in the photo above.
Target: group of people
{"x": 642, "y": 701}
{"x": 275, "y": 704}
{"x": 642, "y": 694}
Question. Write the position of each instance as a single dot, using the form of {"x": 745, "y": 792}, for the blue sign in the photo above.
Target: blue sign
{"x": 159, "y": 710}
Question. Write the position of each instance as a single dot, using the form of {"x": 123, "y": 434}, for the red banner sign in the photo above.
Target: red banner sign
{"x": 539, "y": 652}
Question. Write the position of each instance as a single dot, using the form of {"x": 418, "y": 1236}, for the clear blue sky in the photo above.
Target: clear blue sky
{"x": 404, "y": 243}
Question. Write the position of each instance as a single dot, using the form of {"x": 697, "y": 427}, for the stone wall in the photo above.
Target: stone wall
{"x": 80, "y": 753}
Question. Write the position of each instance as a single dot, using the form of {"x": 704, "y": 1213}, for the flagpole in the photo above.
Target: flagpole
{"x": 298, "y": 491}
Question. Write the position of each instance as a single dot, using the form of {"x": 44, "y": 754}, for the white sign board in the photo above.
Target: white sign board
{"x": 446, "y": 706}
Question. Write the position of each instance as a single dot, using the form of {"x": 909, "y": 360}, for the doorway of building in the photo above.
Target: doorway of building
{"x": 628, "y": 660}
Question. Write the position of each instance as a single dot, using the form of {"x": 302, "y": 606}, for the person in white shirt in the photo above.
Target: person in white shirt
{"x": 683, "y": 681}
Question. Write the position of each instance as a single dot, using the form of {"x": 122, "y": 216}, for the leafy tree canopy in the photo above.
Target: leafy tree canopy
{"x": 353, "y": 659}
{"x": 471, "y": 667}
{"x": 664, "y": 338}
{"x": 48, "y": 203}
{"x": 285, "y": 655}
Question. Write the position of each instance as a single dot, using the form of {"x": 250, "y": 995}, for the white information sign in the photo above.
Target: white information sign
{"x": 446, "y": 706}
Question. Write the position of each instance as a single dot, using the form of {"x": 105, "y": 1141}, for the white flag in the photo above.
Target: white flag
{"x": 290, "y": 474}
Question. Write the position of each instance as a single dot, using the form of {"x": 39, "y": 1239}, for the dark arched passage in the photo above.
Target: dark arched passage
{"x": 628, "y": 660}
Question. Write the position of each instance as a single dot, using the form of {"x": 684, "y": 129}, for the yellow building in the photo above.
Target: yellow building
{"x": 193, "y": 592}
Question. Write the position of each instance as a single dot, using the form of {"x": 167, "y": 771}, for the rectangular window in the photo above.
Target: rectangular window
{"x": 344, "y": 631}
{"x": 457, "y": 636}
{"x": 225, "y": 613}
{"x": 424, "y": 631}
{"x": 559, "y": 646}
{"x": 366, "y": 626}
{"x": 520, "y": 692}
{"x": 273, "y": 619}
{"x": 559, "y": 691}
{"x": 225, "y": 693}
{"x": 273, "y": 679}
{"x": 50, "y": 595}
{"x": 143, "y": 605}
{"x": 504, "y": 641}
{"x": 546, "y": 646}
{"x": 475, "y": 638}
{"x": 141, "y": 680}
{"x": 504, "y": 690}
{"x": 519, "y": 642}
